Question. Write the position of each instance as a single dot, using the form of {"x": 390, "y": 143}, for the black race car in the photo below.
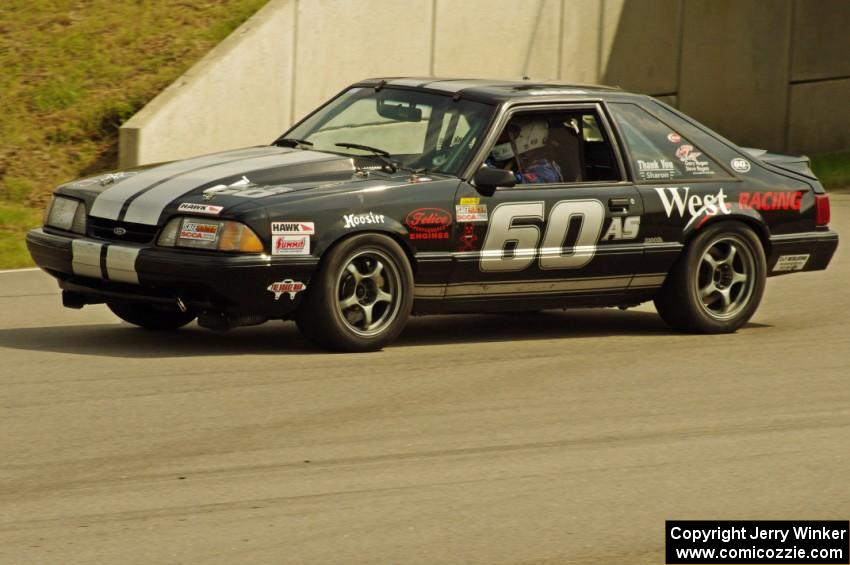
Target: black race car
{"x": 422, "y": 195}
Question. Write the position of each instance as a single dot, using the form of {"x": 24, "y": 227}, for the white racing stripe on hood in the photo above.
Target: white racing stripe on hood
{"x": 147, "y": 208}
{"x": 109, "y": 203}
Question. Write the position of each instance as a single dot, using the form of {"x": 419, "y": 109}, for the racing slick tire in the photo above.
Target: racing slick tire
{"x": 360, "y": 297}
{"x": 717, "y": 284}
{"x": 150, "y": 317}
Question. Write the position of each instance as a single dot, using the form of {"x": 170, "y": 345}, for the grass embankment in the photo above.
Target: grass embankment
{"x": 72, "y": 72}
{"x": 833, "y": 169}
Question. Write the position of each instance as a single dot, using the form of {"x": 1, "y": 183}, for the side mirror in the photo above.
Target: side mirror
{"x": 488, "y": 179}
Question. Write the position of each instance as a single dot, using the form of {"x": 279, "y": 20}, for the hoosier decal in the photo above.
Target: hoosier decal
{"x": 354, "y": 220}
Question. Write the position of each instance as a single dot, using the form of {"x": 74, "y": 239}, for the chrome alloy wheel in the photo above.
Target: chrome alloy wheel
{"x": 726, "y": 277}
{"x": 368, "y": 292}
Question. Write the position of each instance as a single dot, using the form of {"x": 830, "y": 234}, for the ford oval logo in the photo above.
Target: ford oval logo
{"x": 119, "y": 231}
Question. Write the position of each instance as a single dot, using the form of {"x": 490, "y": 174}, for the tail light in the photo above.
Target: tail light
{"x": 821, "y": 209}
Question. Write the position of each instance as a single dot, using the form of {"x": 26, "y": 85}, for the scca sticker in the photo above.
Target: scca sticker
{"x": 471, "y": 213}
{"x": 199, "y": 231}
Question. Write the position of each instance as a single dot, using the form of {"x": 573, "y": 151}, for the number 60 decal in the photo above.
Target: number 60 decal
{"x": 554, "y": 253}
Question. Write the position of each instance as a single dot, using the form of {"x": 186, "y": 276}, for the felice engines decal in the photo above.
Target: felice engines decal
{"x": 428, "y": 223}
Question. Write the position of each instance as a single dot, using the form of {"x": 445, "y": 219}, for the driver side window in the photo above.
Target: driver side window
{"x": 554, "y": 148}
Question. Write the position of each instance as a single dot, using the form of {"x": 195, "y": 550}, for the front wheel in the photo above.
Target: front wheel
{"x": 360, "y": 297}
{"x": 150, "y": 317}
{"x": 717, "y": 284}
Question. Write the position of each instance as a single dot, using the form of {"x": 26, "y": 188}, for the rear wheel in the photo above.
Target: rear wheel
{"x": 150, "y": 317}
{"x": 360, "y": 297}
{"x": 717, "y": 285}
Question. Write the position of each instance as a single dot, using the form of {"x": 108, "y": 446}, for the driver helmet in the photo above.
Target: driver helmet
{"x": 520, "y": 137}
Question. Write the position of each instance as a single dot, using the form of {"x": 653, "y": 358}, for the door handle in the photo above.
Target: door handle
{"x": 619, "y": 204}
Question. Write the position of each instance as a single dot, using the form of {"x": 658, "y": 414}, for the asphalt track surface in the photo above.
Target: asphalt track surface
{"x": 567, "y": 437}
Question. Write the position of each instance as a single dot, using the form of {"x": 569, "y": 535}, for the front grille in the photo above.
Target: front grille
{"x": 135, "y": 233}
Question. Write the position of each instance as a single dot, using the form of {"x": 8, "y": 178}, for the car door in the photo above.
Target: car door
{"x": 574, "y": 239}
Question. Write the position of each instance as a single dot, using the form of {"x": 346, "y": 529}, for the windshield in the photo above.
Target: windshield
{"x": 416, "y": 129}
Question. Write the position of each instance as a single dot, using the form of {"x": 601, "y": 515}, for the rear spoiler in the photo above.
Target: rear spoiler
{"x": 799, "y": 164}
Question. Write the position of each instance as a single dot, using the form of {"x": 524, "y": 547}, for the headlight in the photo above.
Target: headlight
{"x": 66, "y": 214}
{"x": 214, "y": 235}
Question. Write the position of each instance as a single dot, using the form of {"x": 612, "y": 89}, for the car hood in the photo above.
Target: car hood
{"x": 221, "y": 181}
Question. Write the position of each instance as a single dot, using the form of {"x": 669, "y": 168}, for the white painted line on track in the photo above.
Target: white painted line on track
{"x": 6, "y": 271}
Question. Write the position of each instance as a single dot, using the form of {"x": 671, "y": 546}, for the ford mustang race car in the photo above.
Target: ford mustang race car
{"x": 421, "y": 195}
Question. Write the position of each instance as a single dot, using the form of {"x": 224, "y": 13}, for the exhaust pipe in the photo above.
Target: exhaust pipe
{"x": 73, "y": 300}
{"x": 221, "y": 322}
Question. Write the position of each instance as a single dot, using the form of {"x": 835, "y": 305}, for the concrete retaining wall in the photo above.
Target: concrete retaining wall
{"x": 766, "y": 73}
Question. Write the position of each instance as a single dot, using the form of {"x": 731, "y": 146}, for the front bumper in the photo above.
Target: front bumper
{"x": 230, "y": 284}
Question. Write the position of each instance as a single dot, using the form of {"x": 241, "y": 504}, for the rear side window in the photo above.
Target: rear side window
{"x": 657, "y": 152}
